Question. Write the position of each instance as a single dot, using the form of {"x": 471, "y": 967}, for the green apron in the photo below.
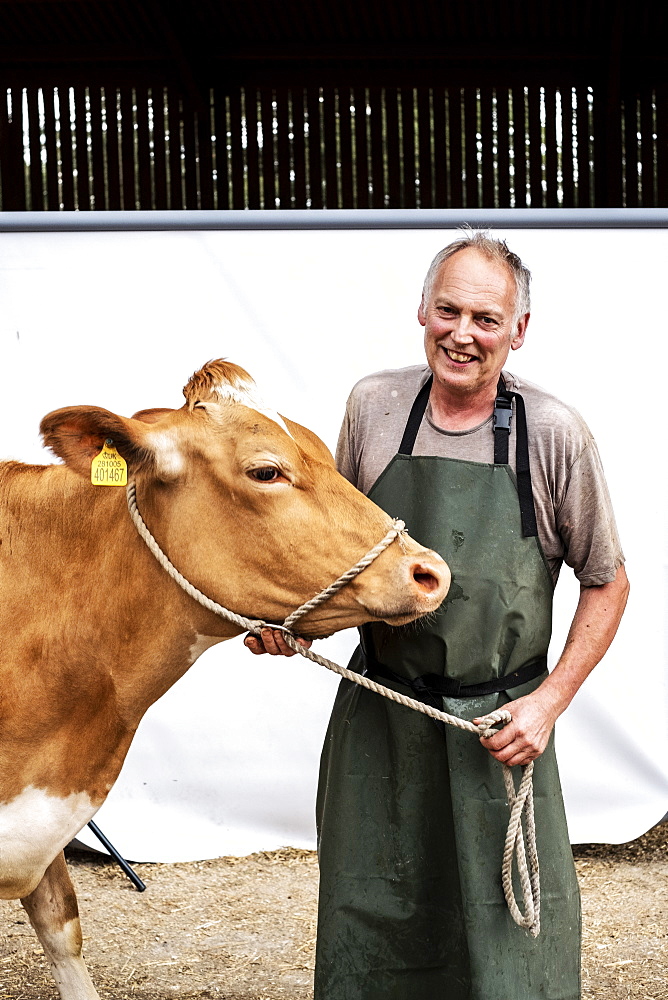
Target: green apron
{"x": 412, "y": 815}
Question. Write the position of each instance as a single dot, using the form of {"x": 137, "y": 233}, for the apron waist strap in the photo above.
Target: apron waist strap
{"x": 428, "y": 687}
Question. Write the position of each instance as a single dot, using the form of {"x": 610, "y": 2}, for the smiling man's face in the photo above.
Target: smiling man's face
{"x": 469, "y": 322}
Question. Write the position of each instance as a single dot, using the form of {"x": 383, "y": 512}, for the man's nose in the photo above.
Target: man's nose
{"x": 462, "y": 331}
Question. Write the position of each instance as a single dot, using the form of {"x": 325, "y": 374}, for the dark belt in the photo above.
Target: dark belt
{"x": 429, "y": 687}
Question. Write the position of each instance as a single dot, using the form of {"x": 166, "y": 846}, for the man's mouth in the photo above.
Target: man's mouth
{"x": 460, "y": 359}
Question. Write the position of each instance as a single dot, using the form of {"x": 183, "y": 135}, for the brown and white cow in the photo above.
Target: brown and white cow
{"x": 249, "y": 508}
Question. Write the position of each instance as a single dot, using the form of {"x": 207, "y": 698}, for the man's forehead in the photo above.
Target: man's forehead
{"x": 469, "y": 272}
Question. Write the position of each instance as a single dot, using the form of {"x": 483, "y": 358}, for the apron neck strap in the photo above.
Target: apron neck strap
{"x": 415, "y": 418}
{"x": 503, "y": 413}
{"x": 503, "y": 418}
{"x": 501, "y": 424}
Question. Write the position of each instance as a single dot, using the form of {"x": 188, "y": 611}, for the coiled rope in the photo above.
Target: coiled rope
{"x": 520, "y": 800}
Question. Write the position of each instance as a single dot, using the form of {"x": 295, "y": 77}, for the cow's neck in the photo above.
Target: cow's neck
{"x": 113, "y": 596}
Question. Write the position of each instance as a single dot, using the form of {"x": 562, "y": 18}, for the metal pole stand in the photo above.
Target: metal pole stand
{"x": 131, "y": 874}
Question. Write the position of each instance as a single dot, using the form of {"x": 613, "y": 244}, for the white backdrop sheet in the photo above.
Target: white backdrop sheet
{"x": 226, "y": 762}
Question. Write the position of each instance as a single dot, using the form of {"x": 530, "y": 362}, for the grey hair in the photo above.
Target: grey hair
{"x": 494, "y": 249}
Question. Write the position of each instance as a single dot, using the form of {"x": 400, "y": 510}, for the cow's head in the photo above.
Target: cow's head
{"x": 250, "y": 508}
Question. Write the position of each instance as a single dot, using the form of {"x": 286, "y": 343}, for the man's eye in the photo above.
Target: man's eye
{"x": 265, "y": 475}
{"x": 488, "y": 321}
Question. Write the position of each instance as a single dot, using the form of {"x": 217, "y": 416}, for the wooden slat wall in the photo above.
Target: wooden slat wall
{"x": 314, "y": 149}
{"x": 361, "y": 153}
{"x": 345, "y": 157}
{"x": 268, "y": 152}
{"x": 111, "y": 151}
{"x": 377, "y": 198}
{"x": 126, "y": 147}
{"x": 566, "y": 142}
{"x": 159, "y": 120}
{"x": 97, "y": 120}
{"x": 455, "y": 147}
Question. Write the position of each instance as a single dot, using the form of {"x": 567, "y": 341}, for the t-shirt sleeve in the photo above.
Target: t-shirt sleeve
{"x": 586, "y": 522}
{"x": 346, "y": 454}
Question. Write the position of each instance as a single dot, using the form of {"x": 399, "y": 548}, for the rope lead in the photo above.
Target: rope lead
{"x": 520, "y": 801}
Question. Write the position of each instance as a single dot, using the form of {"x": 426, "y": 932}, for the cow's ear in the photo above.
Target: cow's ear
{"x": 76, "y": 434}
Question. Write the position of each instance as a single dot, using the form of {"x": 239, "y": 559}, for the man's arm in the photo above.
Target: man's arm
{"x": 593, "y": 628}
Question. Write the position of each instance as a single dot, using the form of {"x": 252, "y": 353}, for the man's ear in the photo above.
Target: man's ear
{"x": 520, "y": 332}
{"x": 76, "y": 434}
{"x": 422, "y": 316}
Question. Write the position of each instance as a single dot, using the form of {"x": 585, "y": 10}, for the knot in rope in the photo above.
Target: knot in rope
{"x": 484, "y": 727}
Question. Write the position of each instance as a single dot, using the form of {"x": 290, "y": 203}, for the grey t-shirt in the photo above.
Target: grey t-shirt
{"x": 576, "y": 523}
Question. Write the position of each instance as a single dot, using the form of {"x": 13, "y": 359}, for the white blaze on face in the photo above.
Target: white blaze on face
{"x": 245, "y": 392}
{"x": 34, "y": 827}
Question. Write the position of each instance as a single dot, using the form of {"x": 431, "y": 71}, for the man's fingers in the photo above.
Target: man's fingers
{"x": 516, "y": 748}
{"x": 501, "y": 739}
{"x": 521, "y": 759}
{"x": 272, "y": 642}
{"x": 515, "y": 756}
{"x": 275, "y": 644}
{"x": 283, "y": 647}
{"x": 255, "y": 646}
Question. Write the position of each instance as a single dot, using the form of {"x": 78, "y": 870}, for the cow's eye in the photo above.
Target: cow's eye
{"x": 264, "y": 475}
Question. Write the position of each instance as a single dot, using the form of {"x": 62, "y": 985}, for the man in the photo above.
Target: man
{"x": 505, "y": 482}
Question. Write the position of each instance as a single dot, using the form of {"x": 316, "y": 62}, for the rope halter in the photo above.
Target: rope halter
{"x": 520, "y": 801}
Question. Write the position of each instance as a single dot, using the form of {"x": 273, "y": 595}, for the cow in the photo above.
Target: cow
{"x": 250, "y": 509}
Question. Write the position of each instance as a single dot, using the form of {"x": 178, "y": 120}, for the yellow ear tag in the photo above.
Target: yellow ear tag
{"x": 109, "y": 468}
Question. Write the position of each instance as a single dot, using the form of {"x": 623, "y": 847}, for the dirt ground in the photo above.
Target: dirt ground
{"x": 244, "y": 928}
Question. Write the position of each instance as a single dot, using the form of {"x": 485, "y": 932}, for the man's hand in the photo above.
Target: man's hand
{"x": 593, "y": 628}
{"x": 526, "y": 736}
{"x": 272, "y": 641}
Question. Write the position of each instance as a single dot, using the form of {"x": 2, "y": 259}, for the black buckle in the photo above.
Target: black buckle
{"x": 503, "y": 413}
{"x": 435, "y": 684}
{"x": 419, "y": 686}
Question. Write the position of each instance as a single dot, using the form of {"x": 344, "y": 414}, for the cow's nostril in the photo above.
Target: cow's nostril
{"x": 425, "y": 580}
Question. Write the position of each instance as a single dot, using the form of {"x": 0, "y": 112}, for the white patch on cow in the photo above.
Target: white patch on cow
{"x": 34, "y": 827}
{"x": 63, "y": 950}
{"x": 60, "y": 942}
{"x": 200, "y": 645}
{"x": 245, "y": 392}
{"x": 168, "y": 456}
